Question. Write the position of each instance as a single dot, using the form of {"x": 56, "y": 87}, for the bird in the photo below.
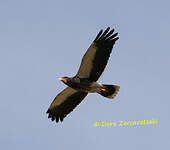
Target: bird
{"x": 84, "y": 82}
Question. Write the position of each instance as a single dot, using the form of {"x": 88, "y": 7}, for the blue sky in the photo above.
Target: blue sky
{"x": 43, "y": 40}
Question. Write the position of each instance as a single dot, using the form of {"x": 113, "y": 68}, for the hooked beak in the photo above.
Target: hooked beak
{"x": 63, "y": 79}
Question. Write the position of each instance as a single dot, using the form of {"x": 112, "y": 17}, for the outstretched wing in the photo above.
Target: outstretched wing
{"x": 95, "y": 59}
{"x": 64, "y": 103}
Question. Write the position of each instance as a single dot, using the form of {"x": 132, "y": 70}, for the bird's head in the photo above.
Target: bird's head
{"x": 65, "y": 79}
{"x": 69, "y": 81}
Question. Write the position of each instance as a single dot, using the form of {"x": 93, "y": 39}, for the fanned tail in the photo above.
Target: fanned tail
{"x": 109, "y": 91}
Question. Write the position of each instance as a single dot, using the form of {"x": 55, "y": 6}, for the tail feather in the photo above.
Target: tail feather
{"x": 109, "y": 91}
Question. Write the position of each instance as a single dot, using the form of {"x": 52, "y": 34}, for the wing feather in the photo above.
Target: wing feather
{"x": 95, "y": 59}
{"x": 64, "y": 103}
{"x": 98, "y": 35}
{"x": 105, "y": 32}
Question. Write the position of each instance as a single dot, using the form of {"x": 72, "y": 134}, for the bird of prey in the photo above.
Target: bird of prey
{"x": 92, "y": 66}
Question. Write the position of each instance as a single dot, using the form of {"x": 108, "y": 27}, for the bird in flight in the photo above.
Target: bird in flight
{"x": 85, "y": 81}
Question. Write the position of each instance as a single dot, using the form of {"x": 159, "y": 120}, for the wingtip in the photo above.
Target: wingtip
{"x": 53, "y": 118}
{"x": 98, "y": 35}
{"x": 116, "y": 38}
{"x": 106, "y": 35}
{"x": 108, "y": 28}
{"x": 61, "y": 119}
{"x": 57, "y": 119}
{"x": 47, "y": 111}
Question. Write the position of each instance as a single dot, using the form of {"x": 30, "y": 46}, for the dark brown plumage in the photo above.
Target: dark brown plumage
{"x": 95, "y": 59}
{"x": 71, "y": 99}
{"x": 93, "y": 64}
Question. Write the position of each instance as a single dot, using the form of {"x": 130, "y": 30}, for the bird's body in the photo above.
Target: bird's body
{"x": 85, "y": 81}
{"x": 83, "y": 84}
